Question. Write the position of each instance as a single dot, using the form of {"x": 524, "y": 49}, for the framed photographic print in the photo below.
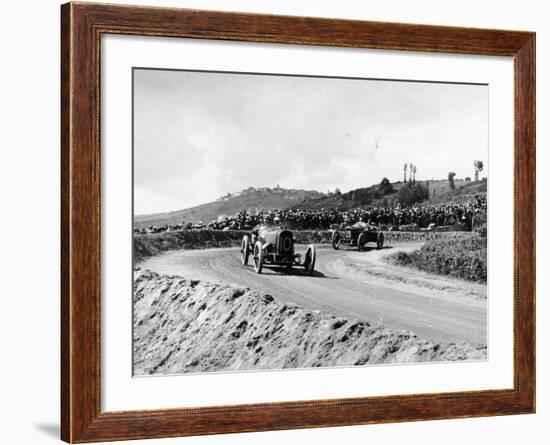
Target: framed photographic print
{"x": 274, "y": 222}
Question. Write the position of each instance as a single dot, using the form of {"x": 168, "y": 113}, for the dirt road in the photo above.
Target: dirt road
{"x": 351, "y": 284}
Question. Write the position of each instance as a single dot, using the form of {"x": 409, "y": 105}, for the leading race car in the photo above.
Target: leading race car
{"x": 357, "y": 236}
{"x": 274, "y": 246}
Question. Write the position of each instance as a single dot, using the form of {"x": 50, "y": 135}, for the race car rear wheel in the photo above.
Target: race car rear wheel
{"x": 309, "y": 261}
{"x": 245, "y": 250}
{"x": 258, "y": 257}
{"x": 335, "y": 240}
{"x": 380, "y": 240}
{"x": 361, "y": 241}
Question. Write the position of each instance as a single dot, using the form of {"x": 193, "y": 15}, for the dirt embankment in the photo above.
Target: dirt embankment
{"x": 241, "y": 329}
{"x": 154, "y": 243}
{"x": 147, "y": 245}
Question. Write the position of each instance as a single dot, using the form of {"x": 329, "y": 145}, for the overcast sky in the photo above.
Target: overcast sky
{"x": 201, "y": 135}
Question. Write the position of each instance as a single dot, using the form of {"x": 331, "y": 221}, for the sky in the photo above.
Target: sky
{"x": 200, "y": 135}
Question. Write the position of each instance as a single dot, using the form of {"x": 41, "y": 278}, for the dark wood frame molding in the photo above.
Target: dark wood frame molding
{"x": 82, "y": 25}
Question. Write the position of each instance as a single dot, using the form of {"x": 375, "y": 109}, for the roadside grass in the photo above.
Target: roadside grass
{"x": 459, "y": 258}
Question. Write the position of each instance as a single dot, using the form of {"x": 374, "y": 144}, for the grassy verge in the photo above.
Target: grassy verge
{"x": 460, "y": 258}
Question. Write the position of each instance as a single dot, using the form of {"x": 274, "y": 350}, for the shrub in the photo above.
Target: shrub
{"x": 411, "y": 193}
{"x": 385, "y": 187}
{"x": 451, "y": 179}
{"x": 460, "y": 258}
{"x": 362, "y": 195}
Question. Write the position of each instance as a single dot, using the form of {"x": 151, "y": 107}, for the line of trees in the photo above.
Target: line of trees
{"x": 412, "y": 172}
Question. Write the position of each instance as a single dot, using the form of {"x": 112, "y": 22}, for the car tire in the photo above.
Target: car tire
{"x": 245, "y": 250}
{"x": 309, "y": 261}
{"x": 379, "y": 240}
{"x": 258, "y": 257}
{"x": 361, "y": 241}
{"x": 335, "y": 240}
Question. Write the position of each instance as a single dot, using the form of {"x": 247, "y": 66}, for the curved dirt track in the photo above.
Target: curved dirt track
{"x": 350, "y": 284}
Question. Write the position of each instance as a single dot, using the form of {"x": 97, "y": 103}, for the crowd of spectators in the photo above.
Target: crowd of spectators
{"x": 422, "y": 217}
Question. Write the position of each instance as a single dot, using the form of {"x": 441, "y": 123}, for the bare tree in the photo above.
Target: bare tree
{"x": 478, "y": 167}
{"x": 411, "y": 166}
{"x": 414, "y": 174}
{"x": 405, "y": 172}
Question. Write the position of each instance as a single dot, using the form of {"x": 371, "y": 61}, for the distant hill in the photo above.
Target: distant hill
{"x": 279, "y": 198}
{"x": 440, "y": 192}
{"x": 230, "y": 204}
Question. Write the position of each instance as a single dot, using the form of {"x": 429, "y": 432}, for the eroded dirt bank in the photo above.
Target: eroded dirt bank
{"x": 185, "y": 326}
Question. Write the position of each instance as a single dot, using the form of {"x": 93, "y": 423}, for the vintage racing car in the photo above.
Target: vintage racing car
{"x": 357, "y": 236}
{"x": 275, "y": 247}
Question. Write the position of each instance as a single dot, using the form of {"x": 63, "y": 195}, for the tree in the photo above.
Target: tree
{"x": 362, "y": 195}
{"x": 337, "y": 191}
{"x": 478, "y": 167}
{"x": 414, "y": 174}
{"x": 410, "y": 194}
{"x": 410, "y": 171}
{"x": 385, "y": 187}
{"x": 405, "y": 172}
{"x": 451, "y": 178}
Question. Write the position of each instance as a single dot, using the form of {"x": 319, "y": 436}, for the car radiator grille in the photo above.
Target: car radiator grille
{"x": 285, "y": 243}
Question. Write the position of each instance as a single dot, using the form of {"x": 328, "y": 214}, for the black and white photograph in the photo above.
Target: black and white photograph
{"x": 292, "y": 221}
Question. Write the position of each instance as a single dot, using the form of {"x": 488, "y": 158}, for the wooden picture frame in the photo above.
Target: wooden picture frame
{"x": 82, "y": 25}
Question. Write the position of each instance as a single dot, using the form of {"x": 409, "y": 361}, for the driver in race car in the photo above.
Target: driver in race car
{"x": 361, "y": 224}
{"x": 270, "y": 223}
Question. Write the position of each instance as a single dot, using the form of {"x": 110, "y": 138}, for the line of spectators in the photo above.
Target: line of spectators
{"x": 423, "y": 217}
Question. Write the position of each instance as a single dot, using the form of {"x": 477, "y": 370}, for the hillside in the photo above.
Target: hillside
{"x": 440, "y": 192}
{"x": 280, "y": 198}
{"x": 248, "y": 199}
{"x": 464, "y": 191}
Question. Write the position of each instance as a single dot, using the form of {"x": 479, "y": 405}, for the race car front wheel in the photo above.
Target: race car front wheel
{"x": 361, "y": 241}
{"x": 309, "y": 261}
{"x": 335, "y": 240}
{"x": 245, "y": 250}
{"x": 258, "y": 257}
{"x": 380, "y": 240}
